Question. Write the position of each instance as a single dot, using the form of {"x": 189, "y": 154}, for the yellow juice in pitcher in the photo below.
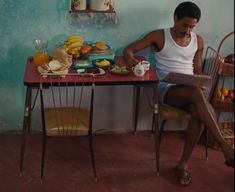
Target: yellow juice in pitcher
{"x": 40, "y": 58}
{"x": 40, "y": 55}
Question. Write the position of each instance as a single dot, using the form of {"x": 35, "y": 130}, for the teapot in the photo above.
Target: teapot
{"x": 146, "y": 65}
{"x": 140, "y": 69}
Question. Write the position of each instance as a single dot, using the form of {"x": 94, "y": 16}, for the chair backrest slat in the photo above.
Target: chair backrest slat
{"x": 68, "y": 104}
{"x": 212, "y": 66}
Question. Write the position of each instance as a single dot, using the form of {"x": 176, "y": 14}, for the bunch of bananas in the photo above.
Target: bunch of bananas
{"x": 103, "y": 63}
{"x": 73, "y": 45}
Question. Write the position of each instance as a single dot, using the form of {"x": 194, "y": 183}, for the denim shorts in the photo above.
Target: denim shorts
{"x": 162, "y": 88}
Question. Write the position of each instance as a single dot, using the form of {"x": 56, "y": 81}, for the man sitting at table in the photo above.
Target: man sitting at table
{"x": 179, "y": 49}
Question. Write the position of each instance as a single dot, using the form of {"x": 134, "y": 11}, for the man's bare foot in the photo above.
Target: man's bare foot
{"x": 183, "y": 176}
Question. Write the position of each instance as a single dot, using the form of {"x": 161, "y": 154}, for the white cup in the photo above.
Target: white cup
{"x": 138, "y": 70}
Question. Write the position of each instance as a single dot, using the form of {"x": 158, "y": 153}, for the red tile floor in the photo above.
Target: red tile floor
{"x": 125, "y": 163}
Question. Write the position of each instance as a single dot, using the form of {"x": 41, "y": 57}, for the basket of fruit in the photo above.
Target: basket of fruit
{"x": 224, "y": 99}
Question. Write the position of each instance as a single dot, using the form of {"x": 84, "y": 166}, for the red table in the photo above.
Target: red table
{"x": 32, "y": 77}
{"x": 32, "y": 81}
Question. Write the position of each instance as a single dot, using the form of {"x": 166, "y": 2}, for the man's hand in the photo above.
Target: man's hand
{"x": 131, "y": 62}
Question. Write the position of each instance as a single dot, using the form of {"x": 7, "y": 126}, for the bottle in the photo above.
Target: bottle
{"x": 40, "y": 56}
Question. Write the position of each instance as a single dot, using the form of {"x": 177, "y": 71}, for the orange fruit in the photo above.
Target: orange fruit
{"x": 100, "y": 45}
{"x": 85, "y": 49}
{"x": 224, "y": 91}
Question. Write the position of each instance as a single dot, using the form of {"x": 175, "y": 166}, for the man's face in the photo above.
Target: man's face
{"x": 184, "y": 26}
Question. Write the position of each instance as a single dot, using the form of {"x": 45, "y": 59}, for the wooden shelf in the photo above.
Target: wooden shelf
{"x": 227, "y": 128}
{"x": 223, "y": 105}
{"x": 88, "y": 10}
{"x": 227, "y": 69}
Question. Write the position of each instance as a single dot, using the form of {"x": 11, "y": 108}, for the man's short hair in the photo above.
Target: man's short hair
{"x": 187, "y": 9}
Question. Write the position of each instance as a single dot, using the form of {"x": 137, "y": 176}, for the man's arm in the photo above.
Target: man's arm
{"x": 146, "y": 41}
{"x": 198, "y": 56}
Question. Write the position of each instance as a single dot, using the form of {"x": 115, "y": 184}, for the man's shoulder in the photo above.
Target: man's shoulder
{"x": 200, "y": 41}
{"x": 199, "y": 37}
{"x": 156, "y": 33}
{"x": 156, "y": 38}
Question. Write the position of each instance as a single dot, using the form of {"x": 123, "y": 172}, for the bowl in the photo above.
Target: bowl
{"x": 103, "y": 63}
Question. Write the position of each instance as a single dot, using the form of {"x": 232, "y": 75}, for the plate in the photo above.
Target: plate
{"x": 119, "y": 70}
{"x": 83, "y": 72}
{"x": 45, "y": 73}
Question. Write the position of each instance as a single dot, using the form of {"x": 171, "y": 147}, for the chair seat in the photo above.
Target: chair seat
{"x": 67, "y": 121}
{"x": 169, "y": 112}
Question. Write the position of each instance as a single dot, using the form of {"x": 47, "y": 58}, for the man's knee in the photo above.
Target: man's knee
{"x": 196, "y": 94}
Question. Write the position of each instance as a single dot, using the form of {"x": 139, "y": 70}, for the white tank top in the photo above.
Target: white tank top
{"x": 175, "y": 58}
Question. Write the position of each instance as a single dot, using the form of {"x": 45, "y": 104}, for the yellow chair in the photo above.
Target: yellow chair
{"x": 65, "y": 111}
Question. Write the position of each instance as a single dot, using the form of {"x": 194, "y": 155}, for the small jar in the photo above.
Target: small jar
{"x": 99, "y": 5}
{"x": 79, "y": 5}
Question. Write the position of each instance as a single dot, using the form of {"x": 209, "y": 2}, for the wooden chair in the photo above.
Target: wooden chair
{"x": 211, "y": 67}
{"x": 66, "y": 112}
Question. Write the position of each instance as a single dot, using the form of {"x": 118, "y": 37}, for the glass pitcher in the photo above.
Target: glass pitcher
{"x": 40, "y": 55}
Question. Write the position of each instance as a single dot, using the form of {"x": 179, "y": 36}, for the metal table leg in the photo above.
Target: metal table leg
{"x": 26, "y": 125}
{"x": 155, "y": 124}
{"x": 136, "y": 106}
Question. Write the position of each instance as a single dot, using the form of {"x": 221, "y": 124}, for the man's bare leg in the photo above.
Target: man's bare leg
{"x": 186, "y": 95}
{"x": 193, "y": 133}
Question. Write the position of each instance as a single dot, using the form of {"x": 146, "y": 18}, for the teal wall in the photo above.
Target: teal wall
{"x": 22, "y": 21}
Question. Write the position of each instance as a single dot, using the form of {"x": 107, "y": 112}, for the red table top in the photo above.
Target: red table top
{"x": 32, "y": 76}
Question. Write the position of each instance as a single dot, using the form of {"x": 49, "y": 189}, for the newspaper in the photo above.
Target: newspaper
{"x": 186, "y": 79}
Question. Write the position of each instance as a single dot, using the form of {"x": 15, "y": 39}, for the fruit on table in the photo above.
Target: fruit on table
{"x": 73, "y": 45}
{"x": 100, "y": 45}
{"x": 103, "y": 63}
{"x": 85, "y": 49}
{"x": 75, "y": 37}
{"x": 224, "y": 91}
